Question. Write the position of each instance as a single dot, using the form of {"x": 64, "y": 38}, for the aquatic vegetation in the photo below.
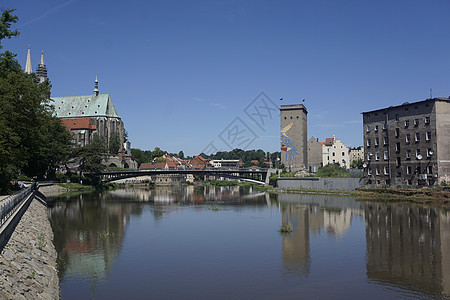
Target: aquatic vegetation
{"x": 286, "y": 228}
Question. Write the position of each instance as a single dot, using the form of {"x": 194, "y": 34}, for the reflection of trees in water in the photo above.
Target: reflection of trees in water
{"x": 409, "y": 247}
{"x": 88, "y": 234}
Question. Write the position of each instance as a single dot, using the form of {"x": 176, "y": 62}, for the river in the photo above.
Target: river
{"x": 224, "y": 243}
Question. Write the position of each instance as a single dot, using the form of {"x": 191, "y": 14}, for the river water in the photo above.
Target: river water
{"x": 224, "y": 243}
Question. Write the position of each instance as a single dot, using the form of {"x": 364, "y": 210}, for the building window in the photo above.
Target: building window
{"x": 408, "y": 170}
{"x": 417, "y": 138}
{"x": 428, "y": 136}
{"x": 334, "y": 161}
{"x": 417, "y": 153}
{"x": 430, "y": 169}
{"x": 406, "y": 123}
{"x": 416, "y": 122}
{"x": 377, "y": 156}
{"x": 427, "y": 120}
{"x": 429, "y": 152}
{"x": 385, "y": 140}
{"x": 407, "y": 138}
{"x": 334, "y": 154}
{"x": 386, "y": 155}
{"x": 397, "y": 132}
{"x": 369, "y": 156}
{"x": 397, "y": 147}
{"x": 396, "y": 117}
{"x": 343, "y": 162}
{"x": 343, "y": 153}
{"x": 377, "y": 141}
{"x": 408, "y": 154}
{"x": 386, "y": 170}
{"x": 399, "y": 161}
{"x": 377, "y": 171}
{"x": 384, "y": 126}
{"x": 368, "y": 142}
{"x": 368, "y": 128}
{"x": 369, "y": 171}
{"x": 376, "y": 128}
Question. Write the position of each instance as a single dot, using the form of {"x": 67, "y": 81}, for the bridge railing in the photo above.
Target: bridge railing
{"x": 9, "y": 204}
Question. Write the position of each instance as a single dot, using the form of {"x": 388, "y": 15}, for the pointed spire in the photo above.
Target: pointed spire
{"x": 28, "y": 62}
{"x": 42, "y": 58}
{"x": 96, "y": 86}
{"x": 41, "y": 70}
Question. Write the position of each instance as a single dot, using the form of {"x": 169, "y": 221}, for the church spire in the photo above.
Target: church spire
{"x": 28, "y": 62}
{"x": 96, "y": 86}
{"x": 41, "y": 70}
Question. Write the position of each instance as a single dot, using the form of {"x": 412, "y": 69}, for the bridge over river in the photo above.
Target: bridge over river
{"x": 260, "y": 176}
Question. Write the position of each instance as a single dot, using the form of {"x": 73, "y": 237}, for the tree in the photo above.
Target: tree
{"x": 90, "y": 157}
{"x": 332, "y": 170}
{"x": 181, "y": 154}
{"x": 357, "y": 164}
{"x": 114, "y": 143}
{"x": 32, "y": 141}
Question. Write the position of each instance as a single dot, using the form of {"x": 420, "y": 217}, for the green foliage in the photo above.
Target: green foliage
{"x": 332, "y": 170}
{"x": 90, "y": 158}
{"x": 145, "y": 156}
{"x": 286, "y": 228}
{"x": 223, "y": 183}
{"x": 32, "y": 141}
{"x": 357, "y": 164}
{"x": 181, "y": 154}
{"x": 114, "y": 143}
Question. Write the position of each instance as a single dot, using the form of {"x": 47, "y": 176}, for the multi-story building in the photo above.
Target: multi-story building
{"x": 408, "y": 144}
{"x": 294, "y": 150}
{"x": 314, "y": 154}
{"x": 356, "y": 153}
{"x": 334, "y": 151}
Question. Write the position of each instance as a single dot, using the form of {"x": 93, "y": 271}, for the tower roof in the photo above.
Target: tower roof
{"x": 28, "y": 69}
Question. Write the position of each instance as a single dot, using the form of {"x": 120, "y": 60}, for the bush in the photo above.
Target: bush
{"x": 332, "y": 170}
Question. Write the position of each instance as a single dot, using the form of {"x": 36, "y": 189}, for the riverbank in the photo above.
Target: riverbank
{"x": 422, "y": 196}
{"x": 28, "y": 261}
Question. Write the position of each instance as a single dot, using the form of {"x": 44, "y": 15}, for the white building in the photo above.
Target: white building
{"x": 334, "y": 151}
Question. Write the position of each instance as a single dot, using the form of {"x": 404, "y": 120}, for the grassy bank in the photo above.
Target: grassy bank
{"x": 423, "y": 196}
{"x": 87, "y": 188}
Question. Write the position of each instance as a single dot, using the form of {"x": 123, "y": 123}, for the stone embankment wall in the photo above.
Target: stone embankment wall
{"x": 342, "y": 184}
{"x": 28, "y": 261}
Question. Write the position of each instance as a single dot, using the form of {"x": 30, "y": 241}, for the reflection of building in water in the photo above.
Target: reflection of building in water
{"x": 408, "y": 247}
{"x": 312, "y": 215}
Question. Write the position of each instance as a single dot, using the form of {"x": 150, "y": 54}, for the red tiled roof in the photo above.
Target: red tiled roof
{"x": 79, "y": 123}
{"x": 153, "y": 165}
{"x": 329, "y": 141}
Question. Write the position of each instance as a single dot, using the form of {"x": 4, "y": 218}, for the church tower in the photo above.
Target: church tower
{"x": 41, "y": 70}
{"x": 28, "y": 62}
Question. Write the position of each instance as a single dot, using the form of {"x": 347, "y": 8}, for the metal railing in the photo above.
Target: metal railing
{"x": 9, "y": 204}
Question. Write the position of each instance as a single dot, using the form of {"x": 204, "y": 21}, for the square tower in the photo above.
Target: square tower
{"x": 293, "y": 129}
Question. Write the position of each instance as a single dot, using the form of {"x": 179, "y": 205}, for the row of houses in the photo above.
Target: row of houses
{"x": 171, "y": 163}
{"x": 331, "y": 151}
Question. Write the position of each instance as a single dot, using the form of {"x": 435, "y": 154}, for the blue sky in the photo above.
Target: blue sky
{"x": 181, "y": 73}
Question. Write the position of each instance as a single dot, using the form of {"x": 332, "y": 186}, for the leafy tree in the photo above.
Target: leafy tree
{"x": 114, "y": 143}
{"x": 32, "y": 141}
{"x": 181, "y": 154}
{"x": 90, "y": 157}
{"x": 357, "y": 164}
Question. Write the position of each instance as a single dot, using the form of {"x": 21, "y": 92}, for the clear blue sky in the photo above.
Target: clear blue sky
{"x": 181, "y": 72}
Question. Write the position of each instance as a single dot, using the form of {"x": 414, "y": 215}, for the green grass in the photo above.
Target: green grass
{"x": 287, "y": 228}
{"x": 76, "y": 187}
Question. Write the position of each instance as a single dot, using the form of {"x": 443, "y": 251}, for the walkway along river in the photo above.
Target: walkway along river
{"x": 28, "y": 261}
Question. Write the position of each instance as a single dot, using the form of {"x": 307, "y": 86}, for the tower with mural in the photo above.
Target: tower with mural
{"x": 293, "y": 131}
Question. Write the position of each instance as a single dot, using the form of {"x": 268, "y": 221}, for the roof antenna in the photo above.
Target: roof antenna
{"x": 431, "y": 93}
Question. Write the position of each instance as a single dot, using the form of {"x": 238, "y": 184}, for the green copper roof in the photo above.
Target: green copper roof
{"x": 84, "y": 106}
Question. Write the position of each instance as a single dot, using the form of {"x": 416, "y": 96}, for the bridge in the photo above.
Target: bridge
{"x": 259, "y": 176}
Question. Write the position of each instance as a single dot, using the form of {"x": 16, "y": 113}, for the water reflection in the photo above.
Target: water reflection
{"x": 405, "y": 248}
{"x": 409, "y": 247}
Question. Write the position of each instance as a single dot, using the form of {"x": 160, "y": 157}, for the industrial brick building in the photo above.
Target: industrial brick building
{"x": 408, "y": 144}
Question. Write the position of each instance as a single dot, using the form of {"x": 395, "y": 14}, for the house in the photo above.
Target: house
{"x": 408, "y": 144}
